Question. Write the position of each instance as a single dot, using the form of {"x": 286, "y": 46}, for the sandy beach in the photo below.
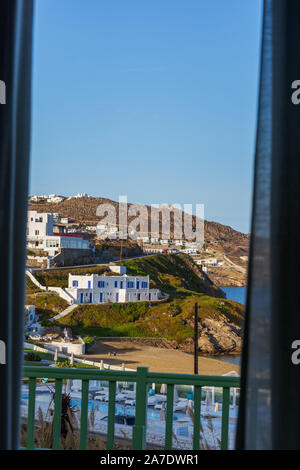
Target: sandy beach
{"x": 115, "y": 352}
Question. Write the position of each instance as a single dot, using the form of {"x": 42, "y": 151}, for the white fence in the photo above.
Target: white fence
{"x": 100, "y": 364}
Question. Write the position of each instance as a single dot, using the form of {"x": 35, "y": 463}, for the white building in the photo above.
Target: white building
{"x": 55, "y": 198}
{"x": 105, "y": 231}
{"x": 30, "y": 316}
{"x": 69, "y": 346}
{"x": 37, "y": 198}
{"x": 118, "y": 269}
{"x": 52, "y": 244}
{"x": 209, "y": 262}
{"x": 98, "y": 289}
{"x": 39, "y": 225}
{"x": 190, "y": 251}
{"x": 31, "y": 323}
{"x": 79, "y": 195}
{"x": 143, "y": 239}
{"x": 40, "y": 235}
{"x": 153, "y": 250}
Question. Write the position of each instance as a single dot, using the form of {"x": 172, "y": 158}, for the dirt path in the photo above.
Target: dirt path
{"x": 157, "y": 359}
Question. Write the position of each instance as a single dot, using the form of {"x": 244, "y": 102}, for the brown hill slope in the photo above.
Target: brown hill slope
{"x": 83, "y": 211}
{"x": 219, "y": 239}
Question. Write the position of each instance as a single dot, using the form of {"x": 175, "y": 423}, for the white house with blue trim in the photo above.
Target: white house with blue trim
{"x": 98, "y": 289}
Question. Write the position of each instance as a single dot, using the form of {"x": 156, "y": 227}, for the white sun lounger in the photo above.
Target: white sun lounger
{"x": 158, "y": 406}
{"x": 180, "y": 405}
{"x": 101, "y": 397}
{"x": 130, "y": 401}
{"x": 152, "y": 400}
{"x": 128, "y": 393}
{"x": 160, "y": 397}
{"x": 120, "y": 397}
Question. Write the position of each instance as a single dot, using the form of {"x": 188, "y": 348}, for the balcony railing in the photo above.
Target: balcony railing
{"x": 142, "y": 377}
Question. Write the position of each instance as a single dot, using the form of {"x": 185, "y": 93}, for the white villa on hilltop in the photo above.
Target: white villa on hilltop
{"x": 40, "y": 235}
{"x": 98, "y": 289}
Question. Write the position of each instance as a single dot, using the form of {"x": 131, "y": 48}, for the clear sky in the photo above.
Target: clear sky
{"x": 155, "y": 99}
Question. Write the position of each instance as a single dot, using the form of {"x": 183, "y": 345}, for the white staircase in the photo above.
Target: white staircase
{"x": 59, "y": 291}
{"x": 64, "y": 313}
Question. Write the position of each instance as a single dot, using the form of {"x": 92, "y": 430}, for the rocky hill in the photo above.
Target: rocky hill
{"x": 220, "y": 240}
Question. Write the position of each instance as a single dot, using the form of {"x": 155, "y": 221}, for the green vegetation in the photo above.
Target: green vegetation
{"x": 170, "y": 273}
{"x": 171, "y": 318}
{"x": 47, "y": 304}
{"x": 33, "y": 356}
{"x": 59, "y": 278}
{"x": 89, "y": 341}
{"x": 64, "y": 362}
{"x": 30, "y": 287}
{"x": 36, "y": 364}
{"x": 43, "y": 355}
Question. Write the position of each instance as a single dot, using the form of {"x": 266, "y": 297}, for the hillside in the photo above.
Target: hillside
{"x": 220, "y": 320}
{"x": 219, "y": 239}
{"x": 47, "y": 304}
{"x": 174, "y": 274}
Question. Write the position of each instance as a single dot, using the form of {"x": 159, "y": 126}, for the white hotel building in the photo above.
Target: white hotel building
{"x": 98, "y": 289}
{"x": 40, "y": 235}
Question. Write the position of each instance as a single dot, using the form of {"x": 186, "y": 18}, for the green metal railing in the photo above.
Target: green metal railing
{"x": 142, "y": 377}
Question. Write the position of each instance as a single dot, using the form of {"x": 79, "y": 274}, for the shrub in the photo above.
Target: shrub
{"x": 89, "y": 341}
{"x": 64, "y": 363}
{"x": 33, "y": 357}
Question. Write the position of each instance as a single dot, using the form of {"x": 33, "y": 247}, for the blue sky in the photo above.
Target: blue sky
{"x": 155, "y": 99}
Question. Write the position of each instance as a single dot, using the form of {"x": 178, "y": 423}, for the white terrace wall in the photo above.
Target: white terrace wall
{"x": 62, "y": 293}
{"x": 34, "y": 280}
{"x": 67, "y": 347}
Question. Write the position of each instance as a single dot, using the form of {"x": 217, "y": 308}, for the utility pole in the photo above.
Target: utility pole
{"x": 196, "y": 339}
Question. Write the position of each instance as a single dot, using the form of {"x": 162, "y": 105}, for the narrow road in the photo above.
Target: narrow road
{"x": 238, "y": 268}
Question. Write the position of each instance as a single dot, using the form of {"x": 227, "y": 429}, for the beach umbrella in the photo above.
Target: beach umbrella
{"x": 175, "y": 394}
{"x": 72, "y": 359}
{"x": 69, "y": 385}
{"x": 189, "y": 410}
{"x": 163, "y": 389}
{"x": 162, "y": 415}
{"x": 123, "y": 366}
{"x": 208, "y": 400}
{"x": 234, "y": 398}
{"x": 101, "y": 364}
{"x": 55, "y": 355}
